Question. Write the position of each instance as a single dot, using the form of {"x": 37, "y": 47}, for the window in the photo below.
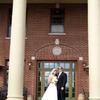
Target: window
{"x": 9, "y": 23}
{"x": 57, "y": 20}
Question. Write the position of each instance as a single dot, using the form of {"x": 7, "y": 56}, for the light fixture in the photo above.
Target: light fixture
{"x": 85, "y": 66}
{"x": 57, "y": 50}
{"x": 57, "y": 42}
{"x": 57, "y": 5}
{"x": 32, "y": 58}
{"x": 30, "y": 64}
{"x": 81, "y": 58}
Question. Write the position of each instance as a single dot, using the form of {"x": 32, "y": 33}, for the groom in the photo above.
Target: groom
{"x": 62, "y": 79}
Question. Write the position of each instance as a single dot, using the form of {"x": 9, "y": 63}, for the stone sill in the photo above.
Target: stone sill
{"x": 57, "y": 34}
{"x": 8, "y": 38}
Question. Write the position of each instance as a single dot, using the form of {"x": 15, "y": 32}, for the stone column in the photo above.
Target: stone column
{"x": 94, "y": 48}
{"x": 17, "y": 46}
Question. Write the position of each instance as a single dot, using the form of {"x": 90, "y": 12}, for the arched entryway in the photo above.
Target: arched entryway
{"x": 46, "y": 61}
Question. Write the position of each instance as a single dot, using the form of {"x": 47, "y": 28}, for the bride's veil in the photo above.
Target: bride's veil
{"x": 50, "y": 75}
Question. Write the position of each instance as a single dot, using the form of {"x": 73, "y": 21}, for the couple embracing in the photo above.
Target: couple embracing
{"x": 56, "y": 89}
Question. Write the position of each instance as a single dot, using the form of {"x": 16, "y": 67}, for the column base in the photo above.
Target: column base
{"x": 14, "y": 98}
{"x": 94, "y": 98}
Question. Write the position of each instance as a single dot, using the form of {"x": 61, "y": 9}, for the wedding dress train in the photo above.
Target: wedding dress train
{"x": 51, "y": 92}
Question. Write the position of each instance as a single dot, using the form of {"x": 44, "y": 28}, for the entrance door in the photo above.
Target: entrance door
{"x": 44, "y": 68}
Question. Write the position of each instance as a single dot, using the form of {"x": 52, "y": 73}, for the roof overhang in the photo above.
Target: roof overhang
{"x": 47, "y": 1}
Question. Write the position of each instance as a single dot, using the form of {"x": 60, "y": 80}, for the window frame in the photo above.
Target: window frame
{"x": 57, "y": 33}
{"x": 8, "y": 35}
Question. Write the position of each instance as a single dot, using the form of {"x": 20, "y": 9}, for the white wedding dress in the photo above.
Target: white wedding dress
{"x": 51, "y": 92}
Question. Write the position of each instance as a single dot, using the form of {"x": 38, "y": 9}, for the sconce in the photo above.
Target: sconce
{"x": 85, "y": 67}
{"x": 57, "y": 50}
{"x": 30, "y": 64}
{"x": 58, "y": 5}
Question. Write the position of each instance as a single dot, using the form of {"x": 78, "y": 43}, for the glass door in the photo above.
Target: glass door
{"x": 44, "y": 68}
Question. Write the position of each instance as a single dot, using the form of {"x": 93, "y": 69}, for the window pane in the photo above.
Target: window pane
{"x": 57, "y": 20}
{"x": 9, "y": 31}
{"x": 73, "y": 65}
{"x": 46, "y": 78}
{"x": 62, "y": 65}
{"x": 52, "y": 65}
{"x": 46, "y": 65}
{"x": 73, "y": 79}
{"x": 9, "y": 23}
{"x": 47, "y": 73}
{"x": 56, "y": 64}
{"x": 67, "y": 65}
{"x": 67, "y": 84}
{"x": 57, "y": 28}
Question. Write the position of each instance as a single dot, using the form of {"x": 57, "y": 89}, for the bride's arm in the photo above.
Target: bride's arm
{"x": 49, "y": 79}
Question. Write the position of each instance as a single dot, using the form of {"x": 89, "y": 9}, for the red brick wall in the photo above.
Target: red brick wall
{"x": 4, "y": 43}
{"x": 38, "y": 27}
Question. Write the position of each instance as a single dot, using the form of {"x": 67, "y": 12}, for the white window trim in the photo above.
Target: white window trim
{"x": 8, "y": 38}
{"x": 56, "y": 33}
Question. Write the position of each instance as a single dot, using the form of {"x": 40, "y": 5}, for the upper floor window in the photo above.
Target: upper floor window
{"x": 9, "y": 23}
{"x": 57, "y": 20}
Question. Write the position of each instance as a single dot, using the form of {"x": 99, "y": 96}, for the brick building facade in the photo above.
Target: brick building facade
{"x": 40, "y": 42}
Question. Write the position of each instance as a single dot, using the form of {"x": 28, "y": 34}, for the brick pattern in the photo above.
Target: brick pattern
{"x": 40, "y": 44}
{"x": 68, "y": 53}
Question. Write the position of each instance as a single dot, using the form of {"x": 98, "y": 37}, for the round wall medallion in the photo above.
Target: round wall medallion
{"x": 57, "y": 50}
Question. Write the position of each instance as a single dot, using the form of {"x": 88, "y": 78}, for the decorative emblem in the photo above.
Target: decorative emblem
{"x": 57, "y": 50}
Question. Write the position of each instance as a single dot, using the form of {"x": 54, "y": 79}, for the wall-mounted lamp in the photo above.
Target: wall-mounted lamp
{"x": 30, "y": 64}
{"x": 57, "y": 50}
{"x": 57, "y": 42}
{"x": 57, "y": 5}
{"x": 32, "y": 58}
{"x": 81, "y": 59}
{"x": 85, "y": 66}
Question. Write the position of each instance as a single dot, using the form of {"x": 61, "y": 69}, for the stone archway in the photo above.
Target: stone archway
{"x": 68, "y": 53}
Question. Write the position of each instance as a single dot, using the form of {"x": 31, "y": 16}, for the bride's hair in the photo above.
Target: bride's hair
{"x": 50, "y": 75}
{"x": 53, "y": 70}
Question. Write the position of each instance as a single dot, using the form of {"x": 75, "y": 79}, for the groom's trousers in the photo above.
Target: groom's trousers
{"x": 61, "y": 95}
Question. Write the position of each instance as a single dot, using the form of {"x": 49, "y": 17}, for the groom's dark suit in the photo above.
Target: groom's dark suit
{"x": 62, "y": 79}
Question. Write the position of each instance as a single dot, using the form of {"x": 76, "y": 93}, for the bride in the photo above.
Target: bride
{"x": 51, "y": 92}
